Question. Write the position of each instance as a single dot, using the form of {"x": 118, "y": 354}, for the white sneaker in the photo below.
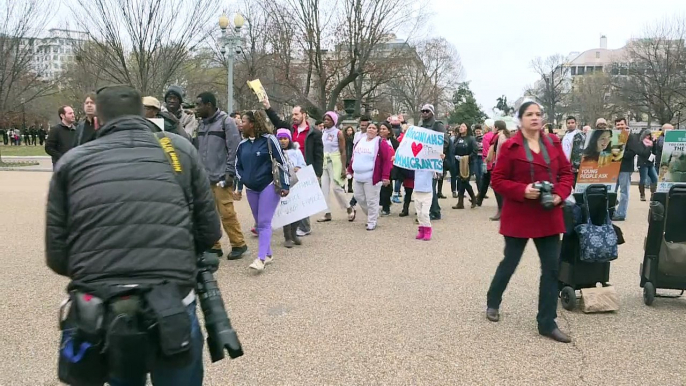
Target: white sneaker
{"x": 257, "y": 265}
{"x": 268, "y": 260}
{"x": 301, "y": 233}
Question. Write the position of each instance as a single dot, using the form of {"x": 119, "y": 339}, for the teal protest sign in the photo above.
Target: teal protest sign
{"x": 420, "y": 149}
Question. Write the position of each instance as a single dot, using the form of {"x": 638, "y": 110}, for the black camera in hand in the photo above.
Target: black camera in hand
{"x": 220, "y": 335}
{"x": 546, "y": 190}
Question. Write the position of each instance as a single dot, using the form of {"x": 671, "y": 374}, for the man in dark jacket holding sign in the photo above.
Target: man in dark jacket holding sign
{"x": 124, "y": 214}
{"x": 429, "y": 122}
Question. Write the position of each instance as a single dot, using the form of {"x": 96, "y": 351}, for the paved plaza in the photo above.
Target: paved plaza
{"x": 352, "y": 307}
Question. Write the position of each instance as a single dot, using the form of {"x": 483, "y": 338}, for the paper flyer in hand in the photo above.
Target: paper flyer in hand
{"x": 258, "y": 89}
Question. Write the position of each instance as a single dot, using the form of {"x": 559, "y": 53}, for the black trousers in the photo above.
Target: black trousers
{"x": 385, "y": 197}
{"x": 499, "y": 199}
{"x": 484, "y": 184}
{"x": 549, "y": 254}
{"x": 407, "y": 199}
{"x": 435, "y": 210}
{"x": 463, "y": 185}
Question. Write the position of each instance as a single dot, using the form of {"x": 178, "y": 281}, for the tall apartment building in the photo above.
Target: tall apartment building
{"x": 51, "y": 54}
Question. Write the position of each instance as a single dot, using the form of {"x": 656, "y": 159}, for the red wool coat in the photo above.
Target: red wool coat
{"x": 520, "y": 216}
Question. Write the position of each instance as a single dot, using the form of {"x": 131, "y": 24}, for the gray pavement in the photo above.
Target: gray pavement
{"x": 352, "y": 307}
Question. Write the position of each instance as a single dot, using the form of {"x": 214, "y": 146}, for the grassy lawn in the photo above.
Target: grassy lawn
{"x": 22, "y": 150}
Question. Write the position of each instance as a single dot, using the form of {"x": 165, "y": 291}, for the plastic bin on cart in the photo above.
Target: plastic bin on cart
{"x": 576, "y": 274}
{"x": 667, "y": 219}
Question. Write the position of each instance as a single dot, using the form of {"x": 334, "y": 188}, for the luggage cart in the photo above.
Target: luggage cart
{"x": 576, "y": 274}
{"x": 666, "y": 219}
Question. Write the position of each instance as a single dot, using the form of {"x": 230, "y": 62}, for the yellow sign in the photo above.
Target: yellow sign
{"x": 258, "y": 89}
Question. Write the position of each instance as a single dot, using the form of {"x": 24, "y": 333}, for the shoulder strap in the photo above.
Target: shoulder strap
{"x": 544, "y": 152}
{"x": 173, "y": 160}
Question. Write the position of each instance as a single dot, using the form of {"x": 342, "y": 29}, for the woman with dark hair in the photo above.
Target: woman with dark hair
{"x": 386, "y": 133}
{"x": 254, "y": 169}
{"x": 349, "y": 143}
{"x": 371, "y": 168}
{"x": 598, "y": 143}
{"x": 646, "y": 166}
{"x": 529, "y": 157}
{"x": 464, "y": 152}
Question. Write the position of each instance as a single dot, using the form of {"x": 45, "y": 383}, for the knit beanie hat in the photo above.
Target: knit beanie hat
{"x": 284, "y": 133}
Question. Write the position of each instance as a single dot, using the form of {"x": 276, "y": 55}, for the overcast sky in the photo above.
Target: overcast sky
{"x": 498, "y": 38}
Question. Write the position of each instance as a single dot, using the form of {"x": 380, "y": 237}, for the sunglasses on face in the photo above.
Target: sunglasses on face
{"x": 426, "y": 111}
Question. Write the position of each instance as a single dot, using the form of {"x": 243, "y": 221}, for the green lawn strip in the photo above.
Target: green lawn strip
{"x": 26, "y": 151}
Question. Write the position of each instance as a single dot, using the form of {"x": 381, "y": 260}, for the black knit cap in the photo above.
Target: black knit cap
{"x": 176, "y": 90}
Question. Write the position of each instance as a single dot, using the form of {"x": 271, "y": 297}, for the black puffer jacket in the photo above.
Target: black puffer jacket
{"x": 116, "y": 213}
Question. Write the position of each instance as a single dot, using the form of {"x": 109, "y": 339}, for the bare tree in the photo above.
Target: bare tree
{"x": 141, "y": 43}
{"x": 550, "y": 90}
{"x": 20, "y": 83}
{"x": 589, "y": 98}
{"x": 336, "y": 40}
{"x": 431, "y": 76}
{"x": 652, "y": 77}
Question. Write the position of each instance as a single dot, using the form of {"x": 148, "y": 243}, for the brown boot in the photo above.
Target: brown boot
{"x": 653, "y": 189}
{"x": 460, "y": 203}
{"x": 642, "y": 191}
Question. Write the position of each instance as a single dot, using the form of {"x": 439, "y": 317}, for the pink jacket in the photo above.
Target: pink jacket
{"x": 382, "y": 164}
{"x": 486, "y": 145}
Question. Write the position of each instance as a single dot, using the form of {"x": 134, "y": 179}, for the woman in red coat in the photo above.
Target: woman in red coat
{"x": 529, "y": 157}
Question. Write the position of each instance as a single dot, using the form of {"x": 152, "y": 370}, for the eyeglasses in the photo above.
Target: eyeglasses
{"x": 426, "y": 111}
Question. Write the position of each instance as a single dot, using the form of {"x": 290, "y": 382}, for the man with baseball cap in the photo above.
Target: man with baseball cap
{"x": 153, "y": 109}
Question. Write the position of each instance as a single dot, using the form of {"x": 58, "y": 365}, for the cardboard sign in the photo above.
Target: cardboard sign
{"x": 305, "y": 199}
{"x": 420, "y": 149}
{"x": 672, "y": 167}
{"x": 602, "y": 159}
{"x": 258, "y": 89}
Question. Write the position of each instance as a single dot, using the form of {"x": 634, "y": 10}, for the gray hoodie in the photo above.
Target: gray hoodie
{"x": 218, "y": 139}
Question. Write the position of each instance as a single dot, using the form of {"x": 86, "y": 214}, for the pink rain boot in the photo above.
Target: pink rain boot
{"x": 427, "y": 233}
{"x": 420, "y": 234}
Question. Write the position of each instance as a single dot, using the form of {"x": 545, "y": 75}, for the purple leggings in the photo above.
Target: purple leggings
{"x": 263, "y": 205}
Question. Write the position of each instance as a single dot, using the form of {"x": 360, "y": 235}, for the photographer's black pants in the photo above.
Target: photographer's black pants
{"x": 191, "y": 375}
{"x": 549, "y": 254}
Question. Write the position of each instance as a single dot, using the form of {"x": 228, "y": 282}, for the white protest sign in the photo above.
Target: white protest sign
{"x": 420, "y": 149}
{"x": 159, "y": 122}
{"x": 305, "y": 199}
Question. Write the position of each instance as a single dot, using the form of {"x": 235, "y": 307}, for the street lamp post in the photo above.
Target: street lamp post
{"x": 23, "y": 114}
{"x": 231, "y": 46}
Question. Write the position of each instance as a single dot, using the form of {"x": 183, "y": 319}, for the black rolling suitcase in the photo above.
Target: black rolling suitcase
{"x": 574, "y": 273}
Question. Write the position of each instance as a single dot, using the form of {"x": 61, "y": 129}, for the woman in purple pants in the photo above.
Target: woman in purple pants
{"x": 254, "y": 170}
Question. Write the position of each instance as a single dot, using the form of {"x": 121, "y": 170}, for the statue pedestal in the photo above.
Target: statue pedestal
{"x": 349, "y": 122}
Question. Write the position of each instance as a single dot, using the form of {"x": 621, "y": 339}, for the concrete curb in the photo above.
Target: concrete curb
{"x": 24, "y": 169}
{"x": 26, "y": 157}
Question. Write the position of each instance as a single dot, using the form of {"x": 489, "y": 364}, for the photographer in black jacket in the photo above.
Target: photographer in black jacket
{"x": 128, "y": 211}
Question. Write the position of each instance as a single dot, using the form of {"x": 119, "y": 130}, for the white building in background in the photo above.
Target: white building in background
{"x": 52, "y": 54}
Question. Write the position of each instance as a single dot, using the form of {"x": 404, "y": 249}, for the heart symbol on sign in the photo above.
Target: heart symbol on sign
{"x": 416, "y": 148}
